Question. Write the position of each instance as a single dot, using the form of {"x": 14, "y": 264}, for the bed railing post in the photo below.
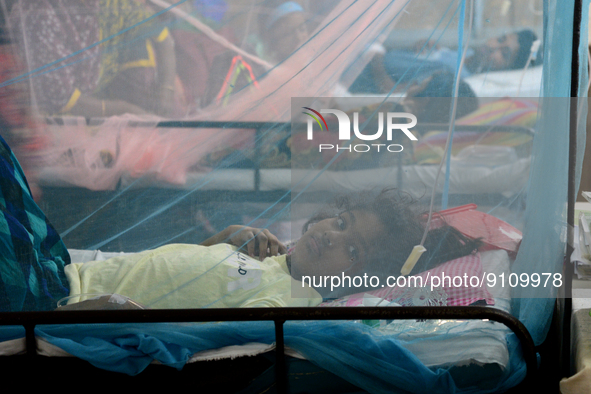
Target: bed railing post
{"x": 280, "y": 367}
{"x": 572, "y": 184}
{"x": 31, "y": 344}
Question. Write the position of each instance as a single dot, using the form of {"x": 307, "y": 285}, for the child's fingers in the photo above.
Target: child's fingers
{"x": 282, "y": 248}
{"x": 274, "y": 244}
{"x": 251, "y": 245}
{"x": 260, "y": 241}
{"x": 274, "y": 248}
{"x": 263, "y": 241}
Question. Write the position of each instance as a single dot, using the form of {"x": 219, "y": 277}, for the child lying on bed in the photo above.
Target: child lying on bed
{"x": 370, "y": 235}
{"x": 248, "y": 267}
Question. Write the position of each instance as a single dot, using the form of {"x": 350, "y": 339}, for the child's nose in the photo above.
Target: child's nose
{"x": 331, "y": 238}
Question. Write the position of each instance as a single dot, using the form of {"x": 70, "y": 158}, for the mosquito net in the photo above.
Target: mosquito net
{"x": 262, "y": 153}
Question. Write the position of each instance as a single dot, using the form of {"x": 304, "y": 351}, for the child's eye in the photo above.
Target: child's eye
{"x": 353, "y": 253}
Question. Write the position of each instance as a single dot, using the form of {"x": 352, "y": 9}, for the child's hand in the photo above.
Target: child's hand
{"x": 253, "y": 241}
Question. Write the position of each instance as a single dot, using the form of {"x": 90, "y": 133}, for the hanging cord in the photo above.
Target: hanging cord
{"x": 535, "y": 46}
{"x": 418, "y": 250}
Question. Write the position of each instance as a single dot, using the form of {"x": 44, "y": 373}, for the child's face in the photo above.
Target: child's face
{"x": 336, "y": 245}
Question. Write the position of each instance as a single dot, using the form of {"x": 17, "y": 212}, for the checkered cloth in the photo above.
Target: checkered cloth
{"x": 32, "y": 253}
{"x": 469, "y": 286}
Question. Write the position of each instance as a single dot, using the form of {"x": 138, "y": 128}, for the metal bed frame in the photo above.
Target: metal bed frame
{"x": 279, "y": 316}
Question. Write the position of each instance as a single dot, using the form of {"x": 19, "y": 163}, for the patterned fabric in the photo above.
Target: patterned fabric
{"x": 122, "y": 52}
{"x": 508, "y": 112}
{"x": 504, "y": 112}
{"x": 33, "y": 254}
{"x": 49, "y": 30}
{"x": 457, "y": 290}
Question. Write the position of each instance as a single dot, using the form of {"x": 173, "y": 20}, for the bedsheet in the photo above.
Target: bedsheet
{"x": 354, "y": 351}
{"x": 415, "y": 354}
{"x": 508, "y": 83}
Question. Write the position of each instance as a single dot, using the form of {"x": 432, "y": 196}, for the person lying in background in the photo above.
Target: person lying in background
{"x": 388, "y": 68}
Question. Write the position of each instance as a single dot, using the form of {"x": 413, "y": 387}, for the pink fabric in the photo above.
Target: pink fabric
{"x": 315, "y": 68}
{"x": 97, "y": 158}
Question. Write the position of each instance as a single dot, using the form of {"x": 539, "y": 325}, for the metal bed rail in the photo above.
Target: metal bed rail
{"x": 29, "y": 320}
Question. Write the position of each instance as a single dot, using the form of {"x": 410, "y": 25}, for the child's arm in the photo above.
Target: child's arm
{"x": 253, "y": 240}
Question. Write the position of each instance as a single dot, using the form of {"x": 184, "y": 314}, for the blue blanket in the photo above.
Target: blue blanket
{"x": 353, "y": 351}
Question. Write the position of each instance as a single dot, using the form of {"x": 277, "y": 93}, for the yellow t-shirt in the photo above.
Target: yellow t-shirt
{"x": 193, "y": 276}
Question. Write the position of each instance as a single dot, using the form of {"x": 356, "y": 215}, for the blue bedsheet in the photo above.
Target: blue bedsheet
{"x": 353, "y": 351}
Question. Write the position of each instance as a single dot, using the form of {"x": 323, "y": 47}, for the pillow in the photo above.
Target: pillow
{"x": 457, "y": 282}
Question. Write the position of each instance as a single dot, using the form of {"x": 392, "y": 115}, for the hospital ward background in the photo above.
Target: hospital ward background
{"x": 267, "y": 196}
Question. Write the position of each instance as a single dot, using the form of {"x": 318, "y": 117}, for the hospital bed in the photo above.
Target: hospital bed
{"x": 365, "y": 351}
{"x": 490, "y": 360}
{"x": 482, "y": 332}
{"x": 488, "y": 354}
{"x": 492, "y": 357}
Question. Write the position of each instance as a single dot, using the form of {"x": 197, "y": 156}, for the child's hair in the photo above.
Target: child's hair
{"x": 404, "y": 227}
